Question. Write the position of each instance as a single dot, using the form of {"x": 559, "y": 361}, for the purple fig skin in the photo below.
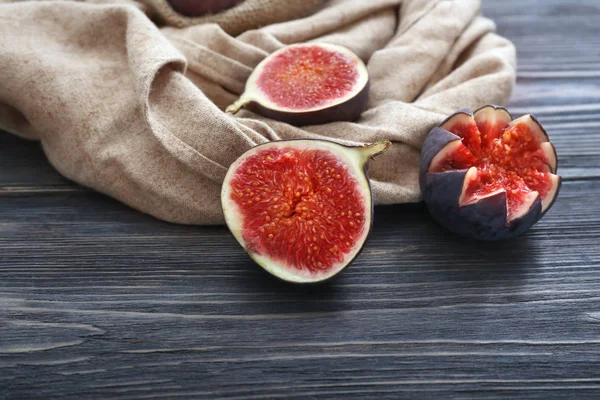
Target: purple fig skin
{"x": 465, "y": 111}
{"x": 540, "y": 125}
{"x": 197, "y": 8}
{"x": 483, "y": 220}
{"x": 437, "y": 139}
{"x": 533, "y": 117}
{"x": 555, "y": 196}
{"x": 494, "y": 106}
{"x": 349, "y": 110}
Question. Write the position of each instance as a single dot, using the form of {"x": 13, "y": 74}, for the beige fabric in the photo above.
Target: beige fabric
{"x": 249, "y": 14}
{"x": 135, "y": 112}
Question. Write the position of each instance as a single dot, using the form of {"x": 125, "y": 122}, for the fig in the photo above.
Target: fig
{"x": 195, "y": 8}
{"x": 307, "y": 84}
{"x": 486, "y": 176}
{"x": 302, "y": 209}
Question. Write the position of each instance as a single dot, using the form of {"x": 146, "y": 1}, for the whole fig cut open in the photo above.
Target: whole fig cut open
{"x": 487, "y": 176}
{"x": 307, "y": 84}
{"x": 301, "y": 208}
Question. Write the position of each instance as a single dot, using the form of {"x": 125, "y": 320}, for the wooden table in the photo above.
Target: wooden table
{"x": 98, "y": 300}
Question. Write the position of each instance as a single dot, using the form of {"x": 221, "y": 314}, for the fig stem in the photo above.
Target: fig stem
{"x": 374, "y": 149}
{"x": 237, "y": 106}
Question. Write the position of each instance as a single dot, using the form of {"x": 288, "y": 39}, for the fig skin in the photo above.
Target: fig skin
{"x": 197, "y": 8}
{"x": 349, "y": 109}
{"x": 485, "y": 219}
{"x": 370, "y": 151}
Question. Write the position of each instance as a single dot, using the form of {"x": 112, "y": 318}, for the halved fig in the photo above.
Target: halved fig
{"x": 307, "y": 84}
{"x": 487, "y": 176}
{"x": 301, "y": 208}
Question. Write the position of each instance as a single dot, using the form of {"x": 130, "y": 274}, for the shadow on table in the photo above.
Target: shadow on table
{"x": 408, "y": 249}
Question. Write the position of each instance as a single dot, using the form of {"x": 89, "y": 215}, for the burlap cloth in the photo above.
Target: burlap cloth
{"x": 249, "y": 14}
{"x": 136, "y": 112}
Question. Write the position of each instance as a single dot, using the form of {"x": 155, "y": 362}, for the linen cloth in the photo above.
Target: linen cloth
{"x": 136, "y": 112}
{"x": 248, "y": 14}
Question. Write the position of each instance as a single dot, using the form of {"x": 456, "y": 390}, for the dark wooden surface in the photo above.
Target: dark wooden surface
{"x": 99, "y": 301}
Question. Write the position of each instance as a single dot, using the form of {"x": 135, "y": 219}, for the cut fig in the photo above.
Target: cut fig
{"x": 301, "y": 208}
{"x": 487, "y": 176}
{"x": 307, "y": 84}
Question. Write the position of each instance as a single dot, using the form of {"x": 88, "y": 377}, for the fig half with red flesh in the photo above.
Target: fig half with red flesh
{"x": 301, "y": 208}
{"x": 487, "y": 176}
{"x": 307, "y": 84}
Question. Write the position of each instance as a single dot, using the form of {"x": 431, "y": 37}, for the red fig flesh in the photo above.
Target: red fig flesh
{"x": 487, "y": 176}
{"x": 306, "y": 84}
{"x": 302, "y": 209}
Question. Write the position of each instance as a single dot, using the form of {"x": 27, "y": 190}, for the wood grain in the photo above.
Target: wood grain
{"x": 99, "y": 301}
{"x": 129, "y": 307}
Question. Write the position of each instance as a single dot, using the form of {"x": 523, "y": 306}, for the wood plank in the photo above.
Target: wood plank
{"x": 540, "y": 8}
{"x": 98, "y": 300}
{"x": 24, "y": 168}
{"x": 558, "y": 77}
